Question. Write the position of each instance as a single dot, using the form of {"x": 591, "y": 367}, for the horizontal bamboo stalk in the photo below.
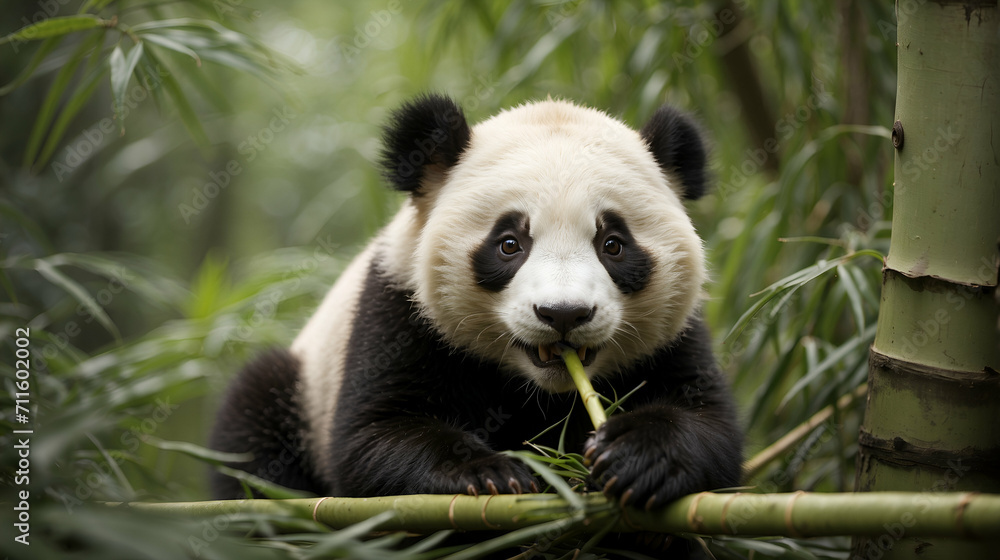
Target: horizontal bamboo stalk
{"x": 967, "y": 515}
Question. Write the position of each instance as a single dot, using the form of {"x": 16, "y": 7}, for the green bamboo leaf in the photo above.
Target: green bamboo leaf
{"x": 769, "y": 550}
{"x": 80, "y": 96}
{"x": 794, "y": 282}
{"x": 854, "y": 295}
{"x": 557, "y": 482}
{"x": 59, "y": 85}
{"x": 798, "y": 162}
{"x": 194, "y": 39}
{"x": 8, "y": 288}
{"x": 571, "y": 463}
{"x": 145, "y": 389}
{"x": 184, "y": 109}
{"x": 540, "y": 52}
{"x": 550, "y": 428}
{"x": 209, "y": 91}
{"x": 112, "y": 464}
{"x": 151, "y": 76}
{"x": 774, "y": 381}
{"x": 122, "y": 68}
{"x": 197, "y": 451}
{"x": 618, "y": 402}
{"x": 430, "y": 542}
{"x": 94, "y": 5}
{"x": 647, "y": 49}
{"x": 79, "y": 293}
{"x": 207, "y": 34}
{"x": 519, "y": 536}
{"x": 130, "y": 273}
{"x": 238, "y": 61}
{"x": 343, "y": 537}
{"x": 55, "y": 27}
{"x": 829, "y": 361}
{"x": 269, "y": 489}
{"x": 565, "y": 426}
{"x": 218, "y": 30}
{"x": 811, "y": 346}
{"x": 14, "y": 215}
{"x": 168, "y": 43}
{"x": 43, "y": 51}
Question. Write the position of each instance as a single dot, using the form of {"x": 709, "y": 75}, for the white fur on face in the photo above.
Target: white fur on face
{"x": 562, "y": 167}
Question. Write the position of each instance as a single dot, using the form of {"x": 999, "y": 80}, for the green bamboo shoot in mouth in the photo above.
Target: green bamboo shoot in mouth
{"x": 591, "y": 400}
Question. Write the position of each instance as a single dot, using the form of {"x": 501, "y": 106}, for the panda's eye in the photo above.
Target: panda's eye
{"x": 509, "y": 246}
{"x": 613, "y": 246}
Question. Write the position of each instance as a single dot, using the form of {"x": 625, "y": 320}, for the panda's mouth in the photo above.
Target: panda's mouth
{"x": 549, "y": 355}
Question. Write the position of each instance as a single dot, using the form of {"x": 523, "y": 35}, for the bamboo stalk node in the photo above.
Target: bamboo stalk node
{"x": 316, "y": 508}
{"x": 482, "y": 514}
{"x": 789, "y": 525}
{"x": 694, "y": 520}
{"x": 725, "y": 508}
{"x": 960, "y": 513}
{"x": 451, "y": 512}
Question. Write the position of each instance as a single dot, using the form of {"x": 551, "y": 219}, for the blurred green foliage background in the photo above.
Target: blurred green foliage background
{"x": 154, "y": 247}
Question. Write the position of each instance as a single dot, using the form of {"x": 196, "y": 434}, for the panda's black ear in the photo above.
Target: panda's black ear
{"x": 675, "y": 141}
{"x": 428, "y": 131}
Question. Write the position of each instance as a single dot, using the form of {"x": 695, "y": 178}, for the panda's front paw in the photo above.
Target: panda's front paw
{"x": 494, "y": 474}
{"x": 648, "y": 459}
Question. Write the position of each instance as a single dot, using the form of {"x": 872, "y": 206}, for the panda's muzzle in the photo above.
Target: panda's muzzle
{"x": 562, "y": 318}
{"x": 548, "y": 355}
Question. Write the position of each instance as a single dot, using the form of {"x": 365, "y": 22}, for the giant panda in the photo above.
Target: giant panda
{"x": 547, "y": 226}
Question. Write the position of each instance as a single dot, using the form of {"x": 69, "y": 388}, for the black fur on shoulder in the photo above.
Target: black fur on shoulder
{"x": 676, "y": 143}
{"x": 430, "y": 130}
{"x": 260, "y": 415}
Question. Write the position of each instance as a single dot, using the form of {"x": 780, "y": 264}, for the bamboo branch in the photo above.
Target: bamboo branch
{"x": 757, "y": 463}
{"x": 967, "y": 515}
{"x": 591, "y": 399}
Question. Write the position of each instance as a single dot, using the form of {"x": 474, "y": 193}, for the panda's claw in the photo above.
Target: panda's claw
{"x": 514, "y": 485}
{"x": 626, "y": 497}
{"x": 651, "y": 502}
{"x": 489, "y": 475}
{"x": 600, "y": 463}
{"x": 609, "y": 484}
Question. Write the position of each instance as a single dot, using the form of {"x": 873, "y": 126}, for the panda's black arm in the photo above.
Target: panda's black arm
{"x": 423, "y": 455}
{"x": 681, "y": 435}
{"x": 409, "y": 405}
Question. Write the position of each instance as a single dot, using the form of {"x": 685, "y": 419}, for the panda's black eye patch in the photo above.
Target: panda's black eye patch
{"x": 628, "y": 264}
{"x": 501, "y": 254}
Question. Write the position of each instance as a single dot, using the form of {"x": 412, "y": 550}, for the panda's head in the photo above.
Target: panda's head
{"x": 548, "y": 223}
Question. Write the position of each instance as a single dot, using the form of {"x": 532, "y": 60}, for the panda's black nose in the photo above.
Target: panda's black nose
{"x": 565, "y": 317}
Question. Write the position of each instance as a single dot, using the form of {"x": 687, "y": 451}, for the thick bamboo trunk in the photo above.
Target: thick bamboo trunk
{"x": 932, "y": 421}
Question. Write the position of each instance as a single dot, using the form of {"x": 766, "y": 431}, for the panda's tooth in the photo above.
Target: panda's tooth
{"x": 581, "y": 352}
{"x": 543, "y": 353}
{"x": 556, "y": 350}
